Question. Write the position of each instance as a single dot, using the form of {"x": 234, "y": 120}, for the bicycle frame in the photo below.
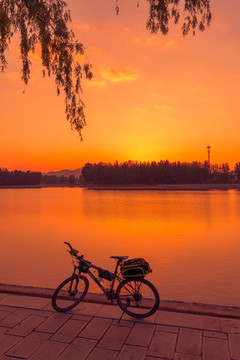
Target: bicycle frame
{"x": 109, "y": 292}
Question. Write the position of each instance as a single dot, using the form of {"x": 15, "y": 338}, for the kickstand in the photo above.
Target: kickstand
{"x": 120, "y": 317}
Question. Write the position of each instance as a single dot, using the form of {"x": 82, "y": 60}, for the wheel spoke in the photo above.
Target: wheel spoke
{"x": 138, "y": 298}
{"x": 70, "y": 293}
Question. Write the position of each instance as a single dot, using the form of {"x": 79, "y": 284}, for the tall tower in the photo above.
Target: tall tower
{"x": 208, "y": 151}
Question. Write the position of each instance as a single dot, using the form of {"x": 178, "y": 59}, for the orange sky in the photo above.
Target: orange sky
{"x": 152, "y": 97}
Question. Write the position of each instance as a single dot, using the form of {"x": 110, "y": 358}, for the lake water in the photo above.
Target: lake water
{"x": 190, "y": 238}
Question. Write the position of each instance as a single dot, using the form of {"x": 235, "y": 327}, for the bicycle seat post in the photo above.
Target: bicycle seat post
{"x": 119, "y": 260}
{"x": 116, "y": 268}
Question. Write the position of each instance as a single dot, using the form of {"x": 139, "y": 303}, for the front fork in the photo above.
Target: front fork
{"x": 74, "y": 271}
{"x": 72, "y": 292}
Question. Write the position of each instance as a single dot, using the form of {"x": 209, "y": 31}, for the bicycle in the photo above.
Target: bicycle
{"x": 135, "y": 295}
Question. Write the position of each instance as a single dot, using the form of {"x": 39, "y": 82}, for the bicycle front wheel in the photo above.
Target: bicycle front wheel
{"x": 70, "y": 293}
{"x": 137, "y": 298}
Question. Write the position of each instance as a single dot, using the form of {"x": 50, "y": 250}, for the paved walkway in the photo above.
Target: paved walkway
{"x": 30, "y": 329}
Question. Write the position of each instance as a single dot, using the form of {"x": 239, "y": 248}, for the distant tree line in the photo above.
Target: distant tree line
{"x": 60, "y": 180}
{"x": 18, "y": 177}
{"x": 130, "y": 172}
{"x": 28, "y": 178}
{"x": 162, "y": 172}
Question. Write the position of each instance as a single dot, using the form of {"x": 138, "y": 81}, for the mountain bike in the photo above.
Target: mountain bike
{"x": 135, "y": 295}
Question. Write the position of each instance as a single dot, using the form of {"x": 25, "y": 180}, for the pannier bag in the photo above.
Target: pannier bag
{"x": 135, "y": 268}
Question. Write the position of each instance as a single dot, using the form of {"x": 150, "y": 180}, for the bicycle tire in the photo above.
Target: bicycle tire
{"x": 70, "y": 293}
{"x": 133, "y": 299}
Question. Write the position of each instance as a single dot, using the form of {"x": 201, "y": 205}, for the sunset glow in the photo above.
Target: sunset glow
{"x": 151, "y": 98}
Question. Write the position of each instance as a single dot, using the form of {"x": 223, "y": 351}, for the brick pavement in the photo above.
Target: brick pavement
{"x": 30, "y": 329}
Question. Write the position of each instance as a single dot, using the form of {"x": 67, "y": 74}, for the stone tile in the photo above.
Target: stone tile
{"x": 189, "y": 342}
{"x": 154, "y": 358}
{"x": 102, "y": 354}
{"x": 141, "y": 334}
{"x": 30, "y": 302}
{"x": 188, "y": 320}
{"x": 8, "y": 341}
{"x": 186, "y": 357}
{"x": 171, "y": 329}
{"x": 26, "y": 326}
{"x": 3, "y": 330}
{"x": 15, "y": 318}
{"x": 48, "y": 307}
{"x": 85, "y": 308}
{"x": 8, "y": 308}
{"x": 124, "y": 323}
{"x": 3, "y": 295}
{"x": 28, "y": 345}
{"x": 43, "y": 313}
{"x": 78, "y": 350}
{"x": 81, "y": 317}
{"x": 69, "y": 331}
{"x": 215, "y": 334}
{"x": 215, "y": 349}
{"x": 110, "y": 311}
{"x": 163, "y": 344}
{"x": 130, "y": 352}
{"x": 234, "y": 345}
{"x": 50, "y": 350}
{"x": 96, "y": 328}
{"x": 148, "y": 320}
{"x": 114, "y": 338}
{"x": 230, "y": 325}
{"x": 53, "y": 323}
{"x": 4, "y": 314}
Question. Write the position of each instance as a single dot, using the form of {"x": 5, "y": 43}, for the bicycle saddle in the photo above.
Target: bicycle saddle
{"x": 121, "y": 258}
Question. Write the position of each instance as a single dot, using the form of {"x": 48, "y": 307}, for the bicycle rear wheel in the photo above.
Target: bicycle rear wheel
{"x": 70, "y": 293}
{"x": 137, "y": 298}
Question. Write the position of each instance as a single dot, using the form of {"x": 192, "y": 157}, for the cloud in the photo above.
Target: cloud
{"x": 16, "y": 77}
{"x": 13, "y": 75}
{"x": 119, "y": 74}
{"x": 155, "y": 42}
{"x": 137, "y": 119}
{"x": 87, "y": 27}
{"x": 140, "y": 110}
{"x": 163, "y": 107}
{"x": 115, "y": 75}
{"x": 97, "y": 83}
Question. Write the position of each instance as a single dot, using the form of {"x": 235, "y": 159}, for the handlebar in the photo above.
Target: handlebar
{"x": 75, "y": 252}
{"x": 68, "y": 245}
{"x": 72, "y": 251}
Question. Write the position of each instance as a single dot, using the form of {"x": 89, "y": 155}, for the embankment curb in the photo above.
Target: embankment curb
{"x": 166, "y": 305}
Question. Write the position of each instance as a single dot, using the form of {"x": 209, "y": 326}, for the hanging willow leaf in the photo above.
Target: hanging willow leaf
{"x": 46, "y": 22}
{"x": 196, "y": 15}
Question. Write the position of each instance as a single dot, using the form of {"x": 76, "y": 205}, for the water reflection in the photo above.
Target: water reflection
{"x": 191, "y": 239}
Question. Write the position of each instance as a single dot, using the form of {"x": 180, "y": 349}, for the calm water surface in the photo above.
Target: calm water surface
{"x": 190, "y": 238}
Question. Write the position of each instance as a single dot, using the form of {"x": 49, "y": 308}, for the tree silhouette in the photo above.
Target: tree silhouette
{"x": 237, "y": 170}
{"x": 18, "y": 177}
{"x": 46, "y": 22}
{"x": 162, "y": 172}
